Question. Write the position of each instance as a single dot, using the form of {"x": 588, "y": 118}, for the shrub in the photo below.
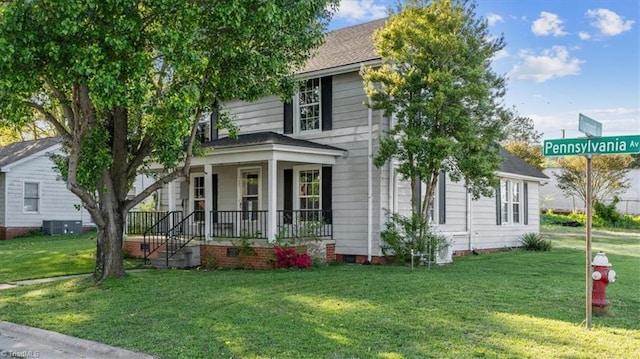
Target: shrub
{"x": 289, "y": 258}
{"x": 535, "y": 242}
{"x": 403, "y": 236}
{"x": 608, "y": 212}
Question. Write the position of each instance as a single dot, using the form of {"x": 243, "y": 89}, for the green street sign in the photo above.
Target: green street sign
{"x": 594, "y": 146}
{"x": 589, "y": 126}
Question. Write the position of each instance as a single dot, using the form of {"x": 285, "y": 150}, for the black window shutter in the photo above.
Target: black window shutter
{"x": 288, "y": 196}
{"x": 288, "y": 117}
{"x": 213, "y": 124}
{"x": 417, "y": 195}
{"x": 498, "y": 207}
{"x": 326, "y": 103}
{"x": 442, "y": 198}
{"x": 525, "y": 202}
{"x": 214, "y": 188}
{"x": 326, "y": 195}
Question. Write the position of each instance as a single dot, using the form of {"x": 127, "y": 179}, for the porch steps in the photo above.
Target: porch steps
{"x": 186, "y": 257}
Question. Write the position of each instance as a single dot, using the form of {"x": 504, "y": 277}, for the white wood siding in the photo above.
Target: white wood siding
{"x": 2, "y": 199}
{"x": 56, "y": 202}
{"x": 486, "y": 234}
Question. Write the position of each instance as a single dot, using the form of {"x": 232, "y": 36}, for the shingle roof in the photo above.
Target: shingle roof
{"x": 350, "y": 45}
{"x": 261, "y": 138}
{"x": 19, "y": 150}
{"x": 515, "y": 165}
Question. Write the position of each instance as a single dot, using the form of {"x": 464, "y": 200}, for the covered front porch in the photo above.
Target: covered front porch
{"x": 263, "y": 186}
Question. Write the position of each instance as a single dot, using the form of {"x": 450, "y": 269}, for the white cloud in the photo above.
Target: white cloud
{"x": 360, "y": 10}
{"x": 500, "y": 54}
{"x": 608, "y": 22}
{"x": 584, "y": 35}
{"x": 493, "y": 19}
{"x": 551, "y": 63}
{"x": 548, "y": 24}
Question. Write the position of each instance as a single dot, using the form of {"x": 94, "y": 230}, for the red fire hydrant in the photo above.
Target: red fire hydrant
{"x": 602, "y": 276}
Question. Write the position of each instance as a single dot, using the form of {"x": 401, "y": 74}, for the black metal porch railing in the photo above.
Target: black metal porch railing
{"x": 239, "y": 224}
{"x": 305, "y": 224}
{"x": 138, "y": 222}
{"x": 155, "y": 236}
{"x": 253, "y": 224}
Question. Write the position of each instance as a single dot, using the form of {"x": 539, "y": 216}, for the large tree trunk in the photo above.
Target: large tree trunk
{"x": 109, "y": 253}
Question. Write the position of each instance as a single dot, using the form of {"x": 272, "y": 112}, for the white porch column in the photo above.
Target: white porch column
{"x": 272, "y": 199}
{"x": 171, "y": 199}
{"x": 208, "y": 199}
{"x": 171, "y": 196}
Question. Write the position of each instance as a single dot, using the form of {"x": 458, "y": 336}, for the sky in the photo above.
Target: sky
{"x": 563, "y": 58}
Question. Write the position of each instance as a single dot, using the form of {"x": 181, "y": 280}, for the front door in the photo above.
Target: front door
{"x": 249, "y": 193}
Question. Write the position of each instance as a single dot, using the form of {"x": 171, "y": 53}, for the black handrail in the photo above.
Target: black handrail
{"x": 157, "y": 234}
{"x": 191, "y": 227}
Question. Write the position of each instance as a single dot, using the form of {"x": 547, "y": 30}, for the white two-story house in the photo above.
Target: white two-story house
{"x": 310, "y": 161}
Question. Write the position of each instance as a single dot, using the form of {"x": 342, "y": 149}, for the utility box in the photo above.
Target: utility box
{"x": 61, "y": 227}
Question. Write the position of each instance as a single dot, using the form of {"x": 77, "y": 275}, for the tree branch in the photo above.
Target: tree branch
{"x": 180, "y": 172}
{"x": 64, "y": 102}
{"x": 51, "y": 119}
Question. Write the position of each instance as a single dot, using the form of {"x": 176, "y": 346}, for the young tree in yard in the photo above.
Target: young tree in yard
{"x": 125, "y": 82}
{"x": 608, "y": 176}
{"x": 436, "y": 79}
{"x": 523, "y": 140}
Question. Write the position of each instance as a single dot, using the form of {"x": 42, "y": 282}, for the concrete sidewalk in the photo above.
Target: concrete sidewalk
{"x": 20, "y": 283}
{"x": 19, "y": 341}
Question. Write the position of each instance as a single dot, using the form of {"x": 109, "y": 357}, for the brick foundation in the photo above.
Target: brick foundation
{"x": 358, "y": 259}
{"x": 12, "y": 232}
{"x": 223, "y": 255}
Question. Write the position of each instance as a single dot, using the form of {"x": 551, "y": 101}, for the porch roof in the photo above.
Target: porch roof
{"x": 262, "y": 146}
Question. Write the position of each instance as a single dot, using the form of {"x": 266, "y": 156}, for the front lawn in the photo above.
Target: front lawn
{"x": 511, "y": 304}
{"x": 41, "y": 256}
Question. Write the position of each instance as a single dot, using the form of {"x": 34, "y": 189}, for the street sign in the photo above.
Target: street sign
{"x": 589, "y": 126}
{"x": 594, "y": 146}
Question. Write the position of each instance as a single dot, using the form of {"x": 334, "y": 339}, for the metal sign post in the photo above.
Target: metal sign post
{"x": 588, "y": 282}
{"x": 594, "y": 144}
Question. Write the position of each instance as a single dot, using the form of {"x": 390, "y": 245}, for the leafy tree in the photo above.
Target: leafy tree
{"x": 608, "y": 176}
{"x": 12, "y": 132}
{"x": 523, "y": 140}
{"x": 530, "y": 153}
{"x": 124, "y": 83}
{"x": 520, "y": 129}
{"x": 436, "y": 79}
{"x": 636, "y": 160}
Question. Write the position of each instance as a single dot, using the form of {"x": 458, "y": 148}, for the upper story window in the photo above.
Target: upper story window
{"x": 31, "y": 197}
{"x": 311, "y": 109}
{"x": 308, "y": 109}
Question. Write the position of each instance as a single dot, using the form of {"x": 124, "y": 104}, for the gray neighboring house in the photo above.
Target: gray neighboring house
{"x": 554, "y": 199}
{"x": 309, "y": 160}
{"x": 32, "y": 193}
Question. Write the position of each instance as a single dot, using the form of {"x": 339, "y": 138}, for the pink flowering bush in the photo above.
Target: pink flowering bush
{"x": 289, "y": 258}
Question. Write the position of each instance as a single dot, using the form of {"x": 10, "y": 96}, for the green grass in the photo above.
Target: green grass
{"x": 43, "y": 256}
{"x": 515, "y": 304}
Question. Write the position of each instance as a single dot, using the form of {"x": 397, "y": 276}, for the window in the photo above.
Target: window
{"x": 250, "y": 193}
{"x": 31, "y": 197}
{"x": 309, "y": 193}
{"x": 308, "y": 101}
{"x": 510, "y": 202}
{"x": 198, "y": 198}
